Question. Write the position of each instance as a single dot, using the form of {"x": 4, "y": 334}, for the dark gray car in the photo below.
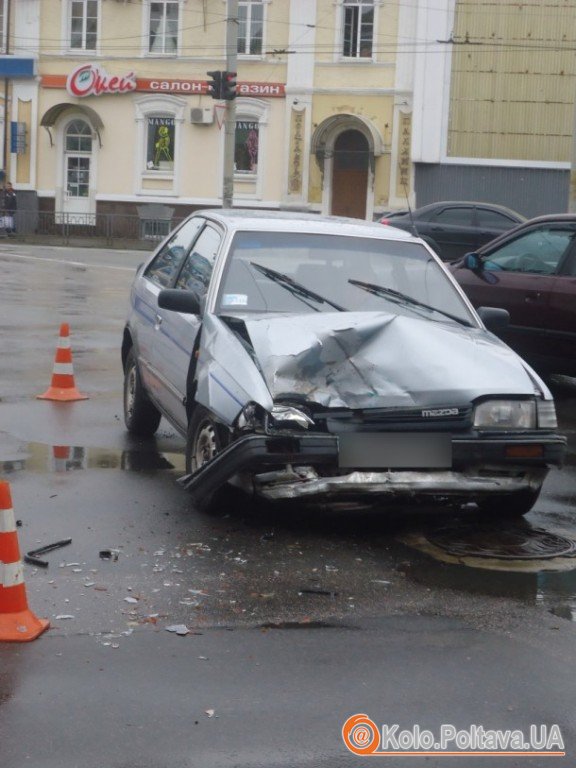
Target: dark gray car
{"x": 454, "y": 228}
{"x": 330, "y": 360}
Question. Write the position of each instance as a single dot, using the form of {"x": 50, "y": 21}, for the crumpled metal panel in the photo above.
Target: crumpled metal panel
{"x": 377, "y": 360}
{"x": 395, "y": 484}
{"x": 227, "y": 377}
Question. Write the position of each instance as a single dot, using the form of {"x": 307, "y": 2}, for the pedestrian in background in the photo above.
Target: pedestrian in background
{"x": 10, "y": 204}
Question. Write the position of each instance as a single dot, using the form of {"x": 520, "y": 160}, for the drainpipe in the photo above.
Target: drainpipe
{"x": 6, "y": 89}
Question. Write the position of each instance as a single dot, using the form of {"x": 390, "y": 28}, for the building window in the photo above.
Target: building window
{"x": 78, "y": 137}
{"x": 78, "y": 146}
{"x": 160, "y": 143}
{"x": 246, "y": 147}
{"x": 163, "y": 27}
{"x": 250, "y": 27}
{"x": 358, "y": 28}
{"x": 83, "y": 25}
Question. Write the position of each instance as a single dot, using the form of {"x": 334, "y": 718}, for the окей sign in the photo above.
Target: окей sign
{"x": 93, "y": 80}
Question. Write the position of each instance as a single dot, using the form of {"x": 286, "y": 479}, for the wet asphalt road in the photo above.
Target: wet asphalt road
{"x": 295, "y": 623}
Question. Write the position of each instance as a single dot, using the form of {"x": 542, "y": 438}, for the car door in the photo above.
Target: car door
{"x": 452, "y": 228}
{"x": 159, "y": 273}
{"x": 562, "y": 343}
{"x": 521, "y": 275}
{"x": 177, "y": 332}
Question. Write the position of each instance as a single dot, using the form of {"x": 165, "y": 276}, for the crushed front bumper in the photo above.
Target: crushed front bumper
{"x": 304, "y": 466}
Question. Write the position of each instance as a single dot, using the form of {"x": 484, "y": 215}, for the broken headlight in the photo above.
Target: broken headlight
{"x": 251, "y": 417}
{"x": 287, "y": 416}
{"x": 505, "y": 414}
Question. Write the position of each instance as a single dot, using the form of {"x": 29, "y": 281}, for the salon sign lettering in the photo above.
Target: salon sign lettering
{"x": 93, "y": 80}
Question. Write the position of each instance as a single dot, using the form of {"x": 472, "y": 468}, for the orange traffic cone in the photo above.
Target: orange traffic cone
{"x": 17, "y": 622}
{"x": 62, "y": 386}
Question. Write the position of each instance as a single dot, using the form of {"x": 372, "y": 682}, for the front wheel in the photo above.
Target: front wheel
{"x": 510, "y": 506}
{"x": 141, "y": 416}
{"x": 205, "y": 440}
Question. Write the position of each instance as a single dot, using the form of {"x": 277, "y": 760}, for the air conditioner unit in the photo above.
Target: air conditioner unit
{"x": 202, "y": 115}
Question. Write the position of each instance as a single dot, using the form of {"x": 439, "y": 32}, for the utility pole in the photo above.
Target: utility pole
{"x": 572, "y": 190}
{"x": 230, "y": 119}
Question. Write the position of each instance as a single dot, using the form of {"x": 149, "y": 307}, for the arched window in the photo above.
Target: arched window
{"x": 78, "y": 137}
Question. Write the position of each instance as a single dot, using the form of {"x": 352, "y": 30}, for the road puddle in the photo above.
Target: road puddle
{"x": 513, "y": 560}
{"x": 38, "y": 457}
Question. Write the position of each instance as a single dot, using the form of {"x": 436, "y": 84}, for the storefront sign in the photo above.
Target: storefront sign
{"x": 403, "y": 169}
{"x": 92, "y": 80}
{"x": 296, "y": 151}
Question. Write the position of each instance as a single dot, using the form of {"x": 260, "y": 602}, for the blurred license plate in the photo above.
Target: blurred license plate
{"x": 396, "y": 450}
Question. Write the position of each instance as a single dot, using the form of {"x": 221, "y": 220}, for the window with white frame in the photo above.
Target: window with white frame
{"x": 83, "y": 25}
{"x": 158, "y": 137}
{"x": 250, "y": 27}
{"x": 247, "y": 140}
{"x": 160, "y": 141}
{"x": 358, "y": 28}
{"x": 252, "y": 117}
{"x": 163, "y": 27}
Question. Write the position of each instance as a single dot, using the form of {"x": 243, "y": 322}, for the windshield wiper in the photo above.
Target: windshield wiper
{"x": 403, "y": 298}
{"x": 295, "y": 288}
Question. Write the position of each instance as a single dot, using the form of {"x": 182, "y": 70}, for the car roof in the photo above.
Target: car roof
{"x": 467, "y": 203}
{"x": 286, "y": 221}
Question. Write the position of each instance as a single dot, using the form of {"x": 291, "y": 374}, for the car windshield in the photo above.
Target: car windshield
{"x": 304, "y": 272}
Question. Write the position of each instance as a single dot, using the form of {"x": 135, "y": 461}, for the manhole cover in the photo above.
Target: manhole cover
{"x": 502, "y": 543}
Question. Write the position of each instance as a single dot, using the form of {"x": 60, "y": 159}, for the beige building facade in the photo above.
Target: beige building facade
{"x": 494, "y": 89}
{"x": 118, "y": 117}
{"x": 348, "y": 107}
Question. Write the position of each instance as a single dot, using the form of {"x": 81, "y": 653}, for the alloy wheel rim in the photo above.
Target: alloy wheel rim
{"x": 205, "y": 446}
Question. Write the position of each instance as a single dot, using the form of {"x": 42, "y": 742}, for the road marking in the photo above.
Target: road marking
{"x": 65, "y": 261}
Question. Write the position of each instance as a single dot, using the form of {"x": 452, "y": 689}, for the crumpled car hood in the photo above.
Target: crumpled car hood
{"x": 378, "y": 360}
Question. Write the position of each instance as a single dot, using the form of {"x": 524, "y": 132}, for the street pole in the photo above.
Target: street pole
{"x": 572, "y": 191}
{"x": 230, "y": 119}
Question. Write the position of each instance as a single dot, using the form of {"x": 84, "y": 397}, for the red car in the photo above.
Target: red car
{"x": 531, "y": 272}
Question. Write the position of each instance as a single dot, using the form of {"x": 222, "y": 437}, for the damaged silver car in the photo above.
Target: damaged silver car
{"x": 331, "y": 361}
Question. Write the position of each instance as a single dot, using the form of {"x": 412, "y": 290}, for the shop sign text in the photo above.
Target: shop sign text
{"x": 93, "y": 80}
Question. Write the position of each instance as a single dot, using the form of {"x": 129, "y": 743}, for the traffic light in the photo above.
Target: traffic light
{"x": 215, "y": 84}
{"x": 228, "y": 86}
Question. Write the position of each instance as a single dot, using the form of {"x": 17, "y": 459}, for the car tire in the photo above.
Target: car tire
{"x": 141, "y": 416}
{"x": 509, "y": 506}
{"x": 206, "y": 439}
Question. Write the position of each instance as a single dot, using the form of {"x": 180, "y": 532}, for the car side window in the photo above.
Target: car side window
{"x": 197, "y": 270}
{"x": 537, "y": 252}
{"x": 164, "y": 268}
{"x": 462, "y": 217}
{"x": 494, "y": 219}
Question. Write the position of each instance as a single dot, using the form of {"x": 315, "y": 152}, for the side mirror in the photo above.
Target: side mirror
{"x": 495, "y": 319}
{"x": 473, "y": 262}
{"x": 179, "y": 301}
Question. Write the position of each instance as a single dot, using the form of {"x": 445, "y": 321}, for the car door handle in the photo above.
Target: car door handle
{"x": 158, "y": 321}
{"x": 532, "y": 297}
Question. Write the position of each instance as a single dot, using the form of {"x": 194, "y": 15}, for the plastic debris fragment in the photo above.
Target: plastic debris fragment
{"x": 178, "y": 629}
